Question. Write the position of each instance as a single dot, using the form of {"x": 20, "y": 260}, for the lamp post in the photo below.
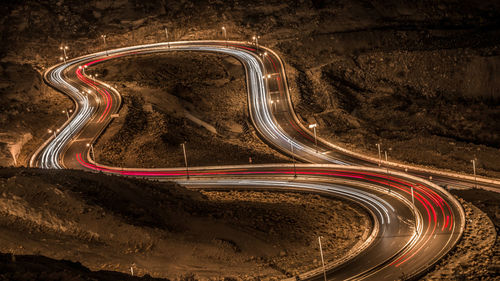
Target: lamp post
{"x": 52, "y": 132}
{"x": 386, "y": 165}
{"x": 105, "y": 47}
{"x": 166, "y": 34}
{"x": 225, "y": 34}
{"x": 414, "y": 207}
{"x": 185, "y": 159}
{"x": 67, "y": 112}
{"x": 91, "y": 150}
{"x": 256, "y": 40}
{"x": 93, "y": 77}
{"x": 313, "y": 126}
{"x": 275, "y": 105}
{"x": 67, "y": 115}
{"x": 379, "y": 154}
{"x": 474, "y": 169}
{"x": 322, "y": 259}
{"x": 64, "y": 57}
{"x": 293, "y": 160}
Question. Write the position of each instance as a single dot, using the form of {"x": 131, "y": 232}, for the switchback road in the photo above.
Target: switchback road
{"x": 410, "y": 232}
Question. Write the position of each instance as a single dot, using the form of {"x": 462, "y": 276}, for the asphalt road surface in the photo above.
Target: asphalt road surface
{"x": 410, "y": 233}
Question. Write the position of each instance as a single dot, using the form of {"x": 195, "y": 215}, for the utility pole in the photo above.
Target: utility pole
{"x": 379, "y": 155}
{"x": 166, "y": 34}
{"x": 474, "y": 169}
{"x": 322, "y": 259}
{"x": 185, "y": 159}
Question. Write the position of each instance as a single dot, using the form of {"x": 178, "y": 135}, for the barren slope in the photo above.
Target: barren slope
{"x": 162, "y": 229}
{"x": 178, "y": 97}
{"x": 28, "y": 109}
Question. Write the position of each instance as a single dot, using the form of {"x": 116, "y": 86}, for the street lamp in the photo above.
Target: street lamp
{"x": 91, "y": 150}
{"x": 256, "y": 40}
{"x": 93, "y": 77}
{"x": 379, "y": 154}
{"x": 225, "y": 34}
{"x": 185, "y": 158}
{"x": 293, "y": 159}
{"x": 322, "y": 259}
{"x": 387, "y": 162}
{"x": 64, "y": 57}
{"x": 474, "y": 169}
{"x": 414, "y": 207}
{"x": 313, "y": 126}
{"x": 166, "y": 34}
{"x": 51, "y": 132}
{"x": 67, "y": 112}
{"x": 104, "y": 39}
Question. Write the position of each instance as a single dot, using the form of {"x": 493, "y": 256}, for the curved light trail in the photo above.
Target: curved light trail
{"x": 407, "y": 237}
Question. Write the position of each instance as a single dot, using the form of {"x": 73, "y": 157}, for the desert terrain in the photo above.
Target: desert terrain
{"x": 406, "y": 75}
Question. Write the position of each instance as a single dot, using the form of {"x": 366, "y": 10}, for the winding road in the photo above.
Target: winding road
{"x": 410, "y": 233}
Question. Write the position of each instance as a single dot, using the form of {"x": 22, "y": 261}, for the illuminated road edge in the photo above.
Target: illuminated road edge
{"x": 438, "y": 216}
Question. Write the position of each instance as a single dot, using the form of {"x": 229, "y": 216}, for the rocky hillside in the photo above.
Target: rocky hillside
{"x": 192, "y": 97}
{"x": 28, "y": 109}
{"x": 406, "y": 75}
{"x": 162, "y": 229}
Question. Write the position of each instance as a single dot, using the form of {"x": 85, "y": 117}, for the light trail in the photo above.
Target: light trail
{"x": 387, "y": 197}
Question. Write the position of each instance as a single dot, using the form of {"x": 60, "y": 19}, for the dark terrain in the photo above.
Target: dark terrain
{"x": 401, "y": 74}
{"x": 162, "y": 229}
{"x": 419, "y": 74}
{"x": 168, "y": 99}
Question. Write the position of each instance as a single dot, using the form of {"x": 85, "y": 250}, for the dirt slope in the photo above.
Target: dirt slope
{"x": 28, "y": 108}
{"x": 164, "y": 230}
{"x": 191, "y": 97}
{"x": 403, "y": 74}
